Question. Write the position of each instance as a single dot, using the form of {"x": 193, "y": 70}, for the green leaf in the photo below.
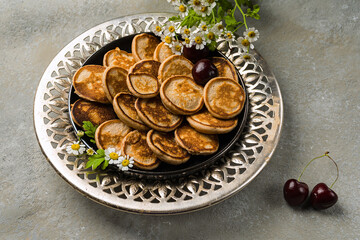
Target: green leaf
{"x": 97, "y": 163}
{"x": 89, "y": 129}
{"x": 105, "y": 164}
{"x": 92, "y": 140}
{"x": 175, "y": 18}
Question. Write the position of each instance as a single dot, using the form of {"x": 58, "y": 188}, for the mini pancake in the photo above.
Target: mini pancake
{"x": 194, "y": 142}
{"x": 225, "y": 68}
{"x": 96, "y": 113}
{"x": 114, "y": 81}
{"x": 204, "y": 122}
{"x": 162, "y": 52}
{"x": 87, "y": 83}
{"x": 120, "y": 58}
{"x": 166, "y": 148}
{"x": 143, "y": 46}
{"x": 175, "y": 65}
{"x": 143, "y": 85}
{"x": 153, "y": 113}
{"x": 110, "y": 134}
{"x": 146, "y": 66}
{"x": 124, "y": 107}
{"x": 224, "y": 98}
{"x": 134, "y": 145}
{"x": 181, "y": 95}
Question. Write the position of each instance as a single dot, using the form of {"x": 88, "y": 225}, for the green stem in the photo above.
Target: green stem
{"x": 327, "y": 155}
{"x": 243, "y": 14}
{"x": 213, "y": 15}
{"x": 337, "y": 169}
{"x": 237, "y": 28}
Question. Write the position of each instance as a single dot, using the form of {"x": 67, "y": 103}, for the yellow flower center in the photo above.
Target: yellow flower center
{"x": 158, "y": 28}
{"x": 187, "y": 40}
{"x": 168, "y": 39}
{"x": 220, "y": 27}
{"x": 245, "y": 42}
{"x": 113, "y": 156}
{"x": 178, "y": 48}
{"x": 182, "y": 8}
{"x": 204, "y": 9}
{"x": 198, "y": 40}
{"x": 211, "y": 36}
{"x": 75, "y": 146}
{"x": 196, "y": 2}
{"x": 247, "y": 57}
{"x": 171, "y": 29}
{"x": 229, "y": 35}
{"x": 187, "y": 31}
{"x": 125, "y": 162}
{"x": 204, "y": 27}
{"x": 251, "y": 34}
{"x": 90, "y": 151}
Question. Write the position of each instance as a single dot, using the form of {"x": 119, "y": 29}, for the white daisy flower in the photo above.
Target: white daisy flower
{"x": 167, "y": 39}
{"x": 196, "y": 4}
{"x": 247, "y": 57}
{"x": 185, "y": 32}
{"x": 157, "y": 28}
{"x": 75, "y": 148}
{"x": 113, "y": 156}
{"x": 182, "y": 8}
{"x": 229, "y": 36}
{"x": 210, "y": 3}
{"x": 203, "y": 11}
{"x": 80, "y": 134}
{"x": 244, "y": 43}
{"x": 177, "y": 47}
{"x": 252, "y": 34}
{"x": 199, "y": 40}
{"x": 204, "y": 27}
{"x": 90, "y": 151}
{"x": 218, "y": 29}
{"x": 210, "y": 36}
{"x": 170, "y": 28}
{"x": 126, "y": 163}
{"x": 187, "y": 42}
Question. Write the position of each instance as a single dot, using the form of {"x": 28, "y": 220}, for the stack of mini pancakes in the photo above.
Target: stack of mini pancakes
{"x": 139, "y": 101}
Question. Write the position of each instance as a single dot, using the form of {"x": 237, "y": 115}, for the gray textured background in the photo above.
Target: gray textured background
{"x": 312, "y": 47}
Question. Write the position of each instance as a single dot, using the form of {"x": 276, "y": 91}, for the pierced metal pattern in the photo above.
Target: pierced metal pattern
{"x": 229, "y": 175}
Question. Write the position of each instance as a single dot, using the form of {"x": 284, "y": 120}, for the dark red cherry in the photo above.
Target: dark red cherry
{"x": 203, "y": 71}
{"x": 194, "y": 54}
{"x": 295, "y": 192}
{"x": 322, "y": 197}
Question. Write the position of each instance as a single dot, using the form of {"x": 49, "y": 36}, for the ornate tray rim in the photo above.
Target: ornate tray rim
{"x": 97, "y": 193}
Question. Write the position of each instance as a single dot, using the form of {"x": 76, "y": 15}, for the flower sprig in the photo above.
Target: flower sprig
{"x": 101, "y": 157}
{"x": 201, "y": 23}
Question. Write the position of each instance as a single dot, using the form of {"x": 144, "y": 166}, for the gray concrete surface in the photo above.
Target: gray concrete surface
{"x": 312, "y": 47}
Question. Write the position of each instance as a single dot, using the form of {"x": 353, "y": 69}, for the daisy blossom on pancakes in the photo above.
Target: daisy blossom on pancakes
{"x": 75, "y": 148}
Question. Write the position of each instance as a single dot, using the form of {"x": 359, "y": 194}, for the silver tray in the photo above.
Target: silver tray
{"x": 241, "y": 164}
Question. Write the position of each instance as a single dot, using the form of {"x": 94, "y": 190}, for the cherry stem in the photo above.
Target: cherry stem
{"x": 327, "y": 155}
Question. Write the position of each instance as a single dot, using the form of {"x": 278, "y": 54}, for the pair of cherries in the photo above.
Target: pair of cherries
{"x": 321, "y": 197}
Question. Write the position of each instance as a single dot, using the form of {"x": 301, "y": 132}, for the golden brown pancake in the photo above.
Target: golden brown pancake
{"x": 143, "y": 85}
{"x": 166, "y": 148}
{"x": 153, "y": 113}
{"x": 110, "y": 134}
{"x": 96, "y": 113}
{"x": 134, "y": 145}
{"x": 181, "y": 95}
{"x": 173, "y": 66}
{"x": 194, "y": 142}
{"x": 120, "y": 58}
{"x": 225, "y": 68}
{"x": 204, "y": 122}
{"x": 162, "y": 52}
{"x": 143, "y": 46}
{"x": 114, "y": 81}
{"x": 87, "y": 83}
{"x": 146, "y": 66}
{"x": 224, "y": 98}
{"x": 124, "y": 107}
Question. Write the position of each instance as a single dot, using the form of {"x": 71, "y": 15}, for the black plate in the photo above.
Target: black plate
{"x": 195, "y": 163}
